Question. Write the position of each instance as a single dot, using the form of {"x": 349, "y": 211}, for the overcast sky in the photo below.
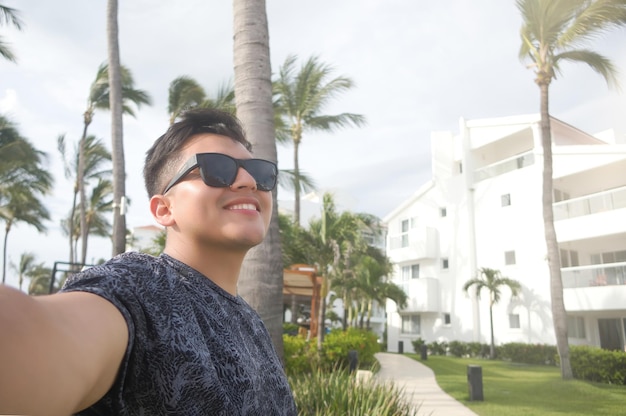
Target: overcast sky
{"x": 418, "y": 67}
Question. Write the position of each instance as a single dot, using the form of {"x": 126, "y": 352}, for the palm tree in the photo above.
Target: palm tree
{"x": 40, "y": 280}
{"x": 184, "y": 93}
{"x": 23, "y": 179}
{"x": 261, "y": 280}
{"x": 22, "y": 206}
{"x": 27, "y": 262}
{"x": 493, "y": 281}
{"x": 95, "y": 155}
{"x": 301, "y": 99}
{"x": 100, "y": 98}
{"x": 8, "y": 16}
{"x": 554, "y": 32}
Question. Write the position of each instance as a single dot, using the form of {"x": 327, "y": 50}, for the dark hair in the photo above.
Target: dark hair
{"x": 163, "y": 158}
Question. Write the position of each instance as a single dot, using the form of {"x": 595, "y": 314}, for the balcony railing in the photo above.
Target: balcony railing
{"x": 597, "y": 275}
{"x": 507, "y": 165}
{"x": 590, "y": 204}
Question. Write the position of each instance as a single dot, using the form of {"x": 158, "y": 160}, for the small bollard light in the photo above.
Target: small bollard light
{"x": 353, "y": 360}
{"x": 475, "y": 382}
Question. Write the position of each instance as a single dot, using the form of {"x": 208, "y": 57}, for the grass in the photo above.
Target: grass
{"x": 511, "y": 389}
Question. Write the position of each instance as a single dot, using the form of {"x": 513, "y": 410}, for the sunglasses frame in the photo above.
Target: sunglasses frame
{"x": 194, "y": 162}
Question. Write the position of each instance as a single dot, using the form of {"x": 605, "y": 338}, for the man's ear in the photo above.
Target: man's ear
{"x": 160, "y": 209}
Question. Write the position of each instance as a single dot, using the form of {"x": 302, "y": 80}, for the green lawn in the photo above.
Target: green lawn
{"x": 524, "y": 390}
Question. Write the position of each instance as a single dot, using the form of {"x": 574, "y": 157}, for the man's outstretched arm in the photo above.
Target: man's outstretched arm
{"x": 58, "y": 353}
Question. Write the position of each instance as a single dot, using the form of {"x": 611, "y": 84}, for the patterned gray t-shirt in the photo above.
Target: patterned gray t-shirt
{"x": 193, "y": 348}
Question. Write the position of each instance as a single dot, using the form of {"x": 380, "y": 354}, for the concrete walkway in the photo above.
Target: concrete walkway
{"x": 419, "y": 386}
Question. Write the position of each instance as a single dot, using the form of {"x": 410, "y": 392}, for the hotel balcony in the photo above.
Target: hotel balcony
{"x": 591, "y": 216}
{"x": 594, "y": 288}
{"x": 423, "y": 294}
{"x": 417, "y": 243}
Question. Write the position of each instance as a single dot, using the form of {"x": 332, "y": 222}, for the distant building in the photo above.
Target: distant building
{"x": 483, "y": 208}
{"x": 143, "y": 237}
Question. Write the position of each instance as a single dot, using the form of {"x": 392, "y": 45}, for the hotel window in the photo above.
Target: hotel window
{"x": 509, "y": 258}
{"x": 443, "y": 212}
{"x": 576, "y": 327}
{"x": 405, "y": 233}
{"x": 411, "y": 324}
{"x": 506, "y": 200}
{"x": 446, "y": 319}
{"x": 411, "y": 272}
{"x": 445, "y": 264}
{"x": 514, "y": 321}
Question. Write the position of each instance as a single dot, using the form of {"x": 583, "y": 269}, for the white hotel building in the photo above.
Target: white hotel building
{"x": 483, "y": 208}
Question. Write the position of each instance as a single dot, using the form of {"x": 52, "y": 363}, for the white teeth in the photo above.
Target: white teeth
{"x": 243, "y": 206}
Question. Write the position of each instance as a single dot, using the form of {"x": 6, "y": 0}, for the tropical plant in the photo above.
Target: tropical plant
{"x": 23, "y": 180}
{"x": 10, "y": 16}
{"x": 493, "y": 281}
{"x": 554, "y": 32}
{"x": 23, "y": 269}
{"x": 261, "y": 278}
{"x": 95, "y": 156}
{"x": 100, "y": 99}
{"x": 40, "y": 280}
{"x": 116, "y": 104}
{"x": 301, "y": 99}
{"x": 184, "y": 93}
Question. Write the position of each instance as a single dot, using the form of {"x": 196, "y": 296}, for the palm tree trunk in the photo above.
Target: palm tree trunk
{"x": 559, "y": 315}
{"x": 4, "y": 251}
{"x": 80, "y": 180}
{"x": 492, "y": 346}
{"x": 296, "y": 170}
{"x": 117, "y": 139}
{"x": 261, "y": 279}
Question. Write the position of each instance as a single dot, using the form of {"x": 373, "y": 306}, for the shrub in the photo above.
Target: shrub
{"x": 595, "y": 364}
{"x": 299, "y": 358}
{"x": 338, "y": 393}
{"x": 438, "y": 348}
{"x": 417, "y": 345}
{"x": 338, "y": 342}
{"x": 537, "y": 354}
{"x": 458, "y": 348}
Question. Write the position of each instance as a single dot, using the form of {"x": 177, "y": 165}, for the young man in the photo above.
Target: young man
{"x": 141, "y": 335}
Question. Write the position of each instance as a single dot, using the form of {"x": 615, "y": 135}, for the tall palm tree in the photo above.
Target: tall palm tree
{"x": 493, "y": 281}
{"x": 554, "y": 32}
{"x": 95, "y": 155}
{"x": 261, "y": 280}
{"x": 184, "y": 92}
{"x": 10, "y": 16}
{"x": 100, "y": 99}
{"x": 301, "y": 99}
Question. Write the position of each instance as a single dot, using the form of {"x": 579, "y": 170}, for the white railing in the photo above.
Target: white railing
{"x": 502, "y": 167}
{"x": 597, "y": 275}
{"x": 590, "y": 204}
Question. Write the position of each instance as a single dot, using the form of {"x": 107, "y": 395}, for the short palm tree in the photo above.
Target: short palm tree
{"x": 96, "y": 167}
{"x": 493, "y": 281}
{"x": 8, "y": 16}
{"x": 23, "y": 269}
{"x": 554, "y": 32}
{"x": 300, "y": 101}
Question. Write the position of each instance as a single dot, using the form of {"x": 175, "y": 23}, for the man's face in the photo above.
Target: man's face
{"x": 234, "y": 217}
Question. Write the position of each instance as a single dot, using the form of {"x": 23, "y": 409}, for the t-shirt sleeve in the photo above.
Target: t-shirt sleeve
{"x": 117, "y": 284}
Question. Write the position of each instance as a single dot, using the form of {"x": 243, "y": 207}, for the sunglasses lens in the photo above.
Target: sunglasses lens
{"x": 263, "y": 172}
{"x": 220, "y": 171}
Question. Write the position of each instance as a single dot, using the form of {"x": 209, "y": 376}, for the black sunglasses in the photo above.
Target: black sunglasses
{"x": 220, "y": 171}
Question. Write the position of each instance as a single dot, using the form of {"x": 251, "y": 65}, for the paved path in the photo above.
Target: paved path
{"x": 419, "y": 386}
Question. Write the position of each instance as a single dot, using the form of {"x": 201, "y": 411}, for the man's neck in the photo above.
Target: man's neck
{"x": 221, "y": 266}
